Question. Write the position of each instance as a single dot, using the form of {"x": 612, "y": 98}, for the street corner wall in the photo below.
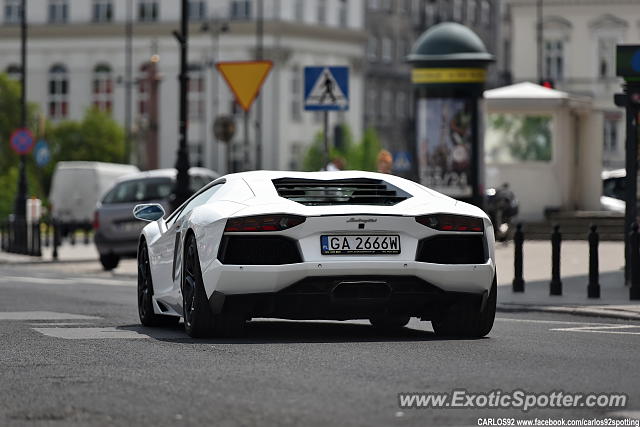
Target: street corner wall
{"x": 589, "y": 144}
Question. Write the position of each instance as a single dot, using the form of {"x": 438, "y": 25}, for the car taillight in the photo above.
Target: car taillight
{"x": 448, "y": 222}
{"x": 263, "y": 223}
{"x": 96, "y": 220}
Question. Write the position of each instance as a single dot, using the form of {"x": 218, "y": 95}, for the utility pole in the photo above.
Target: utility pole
{"x": 259, "y": 57}
{"x": 540, "y": 41}
{"x": 20, "y": 208}
{"x": 181, "y": 192}
{"x": 128, "y": 76}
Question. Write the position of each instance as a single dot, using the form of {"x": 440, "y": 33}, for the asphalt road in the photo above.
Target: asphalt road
{"x": 73, "y": 353}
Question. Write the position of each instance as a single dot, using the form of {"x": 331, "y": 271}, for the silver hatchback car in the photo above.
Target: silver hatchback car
{"x": 116, "y": 230}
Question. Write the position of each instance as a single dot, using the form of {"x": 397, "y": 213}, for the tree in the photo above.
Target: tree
{"x": 358, "y": 156}
{"x": 10, "y": 121}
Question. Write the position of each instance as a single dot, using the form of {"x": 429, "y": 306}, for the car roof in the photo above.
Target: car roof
{"x": 167, "y": 173}
{"x": 615, "y": 173}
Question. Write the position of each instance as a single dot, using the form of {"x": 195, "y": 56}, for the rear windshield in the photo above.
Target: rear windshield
{"x": 141, "y": 190}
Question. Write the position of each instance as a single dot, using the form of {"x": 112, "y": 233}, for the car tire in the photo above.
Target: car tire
{"x": 199, "y": 320}
{"x": 109, "y": 261}
{"x": 387, "y": 323}
{"x": 145, "y": 293}
{"x": 468, "y": 320}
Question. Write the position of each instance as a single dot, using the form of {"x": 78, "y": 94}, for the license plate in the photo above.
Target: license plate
{"x": 360, "y": 244}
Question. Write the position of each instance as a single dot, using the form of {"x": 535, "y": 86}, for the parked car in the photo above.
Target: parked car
{"x": 317, "y": 245}
{"x": 76, "y": 187}
{"x": 613, "y": 185}
{"x": 116, "y": 230}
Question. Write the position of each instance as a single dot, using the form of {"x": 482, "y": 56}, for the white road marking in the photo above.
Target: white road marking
{"x": 60, "y": 324}
{"x": 43, "y": 280}
{"x": 109, "y": 333}
{"x": 557, "y": 322}
{"x": 42, "y": 315}
{"x": 89, "y": 333}
{"x": 601, "y": 329}
{"x": 71, "y": 281}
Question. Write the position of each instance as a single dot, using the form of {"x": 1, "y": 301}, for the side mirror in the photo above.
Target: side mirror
{"x": 148, "y": 212}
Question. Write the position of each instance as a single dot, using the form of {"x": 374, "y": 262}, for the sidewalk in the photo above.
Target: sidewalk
{"x": 66, "y": 253}
{"x": 614, "y": 295}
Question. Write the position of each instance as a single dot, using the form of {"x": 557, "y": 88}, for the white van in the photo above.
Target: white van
{"x": 76, "y": 187}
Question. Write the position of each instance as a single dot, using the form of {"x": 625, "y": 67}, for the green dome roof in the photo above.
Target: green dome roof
{"x": 449, "y": 41}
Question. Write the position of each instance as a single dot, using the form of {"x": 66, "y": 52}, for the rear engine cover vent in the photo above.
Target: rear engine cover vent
{"x": 354, "y": 191}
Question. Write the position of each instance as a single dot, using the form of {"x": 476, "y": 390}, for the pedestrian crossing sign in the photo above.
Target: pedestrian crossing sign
{"x": 326, "y": 88}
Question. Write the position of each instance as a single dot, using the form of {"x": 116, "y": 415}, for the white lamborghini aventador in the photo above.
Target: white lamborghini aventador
{"x": 317, "y": 245}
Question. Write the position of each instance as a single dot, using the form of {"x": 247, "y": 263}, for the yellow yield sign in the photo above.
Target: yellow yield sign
{"x": 245, "y": 79}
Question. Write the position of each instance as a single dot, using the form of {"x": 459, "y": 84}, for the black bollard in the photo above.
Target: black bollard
{"x": 555, "y": 287}
{"x": 518, "y": 241}
{"x": 56, "y": 239}
{"x": 634, "y": 247}
{"x": 86, "y": 236}
{"x": 47, "y": 231}
{"x": 593, "y": 288}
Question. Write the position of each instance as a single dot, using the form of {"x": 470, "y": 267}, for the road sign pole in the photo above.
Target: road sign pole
{"x": 181, "y": 191}
{"x": 20, "y": 207}
{"x": 246, "y": 160}
{"x": 326, "y": 139}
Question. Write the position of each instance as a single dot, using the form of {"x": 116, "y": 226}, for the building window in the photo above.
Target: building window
{"x": 197, "y": 10}
{"x": 401, "y": 105}
{"x": 296, "y": 94}
{"x": 103, "y": 88}
{"x": 196, "y": 92}
{"x": 58, "y": 92}
{"x": 299, "y": 10}
{"x": 607, "y": 57}
{"x": 611, "y": 132}
{"x": 322, "y": 11}
{"x": 387, "y": 49}
{"x": 472, "y": 12}
{"x": 143, "y": 90}
{"x": 58, "y": 11}
{"x": 102, "y": 11}
{"x": 343, "y": 13}
{"x": 147, "y": 10}
{"x": 553, "y": 59}
{"x": 387, "y": 105}
{"x": 485, "y": 13}
{"x": 456, "y": 13}
{"x": 372, "y": 104}
{"x": 12, "y": 11}
{"x": 14, "y": 72}
{"x": 373, "y": 4}
{"x": 240, "y": 9}
{"x": 372, "y": 49}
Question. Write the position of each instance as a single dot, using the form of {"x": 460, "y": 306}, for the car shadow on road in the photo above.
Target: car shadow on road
{"x": 275, "y": 331}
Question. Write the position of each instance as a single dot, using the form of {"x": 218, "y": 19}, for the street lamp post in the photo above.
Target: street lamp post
{"x": 181, "y": 191}
{"x": 20, "y": 208}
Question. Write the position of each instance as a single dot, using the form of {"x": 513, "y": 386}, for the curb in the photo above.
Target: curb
{"x": 598, "y": 311}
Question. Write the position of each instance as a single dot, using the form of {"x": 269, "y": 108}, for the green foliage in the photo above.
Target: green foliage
{"x": 98, "y": 137}
{"x": 358, "y": 156}
{"x": 519, "y": 138}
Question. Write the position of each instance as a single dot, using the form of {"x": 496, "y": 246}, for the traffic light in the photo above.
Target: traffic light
{"x": 549, "y": 84}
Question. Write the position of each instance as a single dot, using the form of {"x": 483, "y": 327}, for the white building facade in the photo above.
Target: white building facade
{"x": 76, "y": 59}
{"x": 578, "y": 54}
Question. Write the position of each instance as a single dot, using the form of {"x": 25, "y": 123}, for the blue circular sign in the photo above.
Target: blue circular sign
{"x": 635, "y": 61}
{"x": 22, "y": 141}
{"x": 42, "y": 153}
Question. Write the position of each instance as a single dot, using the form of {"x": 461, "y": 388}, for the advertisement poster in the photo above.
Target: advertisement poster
{"x": 444, "y": 132}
